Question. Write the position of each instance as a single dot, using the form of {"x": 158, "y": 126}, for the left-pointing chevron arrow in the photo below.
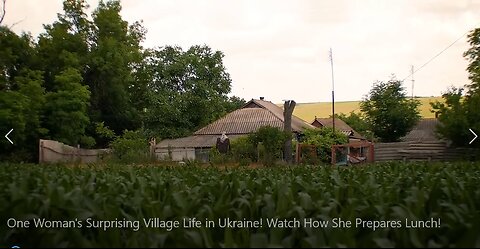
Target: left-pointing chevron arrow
{"x": 6, "y": 136}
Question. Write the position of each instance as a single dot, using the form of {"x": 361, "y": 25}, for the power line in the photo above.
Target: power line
{"x": 441, "y": 52}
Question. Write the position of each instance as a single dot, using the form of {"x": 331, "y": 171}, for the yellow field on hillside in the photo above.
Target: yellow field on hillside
{"x": 308, "y": 111}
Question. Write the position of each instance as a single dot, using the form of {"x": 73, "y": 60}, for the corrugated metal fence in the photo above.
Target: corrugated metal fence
{"x": 421, "y": 151}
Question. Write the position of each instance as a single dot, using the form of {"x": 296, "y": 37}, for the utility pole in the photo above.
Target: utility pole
{"x": 333, "y": 91}
{"x": 413, "y": 81}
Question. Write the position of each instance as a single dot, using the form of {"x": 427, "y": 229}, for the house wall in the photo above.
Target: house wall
{"x": 177, "y": 154}
{"x": 317, "y": 124}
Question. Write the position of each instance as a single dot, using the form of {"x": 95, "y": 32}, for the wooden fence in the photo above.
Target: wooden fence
{"x": 421, "y": 151}
{"x": 52, "y": 151}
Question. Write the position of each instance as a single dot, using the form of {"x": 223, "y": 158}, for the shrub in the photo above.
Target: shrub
{"x": 323, "y": 139}
{"x": 272, "y": 139}
{"x": 131, "y": 147}
{"x": 217, "y": 158}
{"x": 244, "y": 151}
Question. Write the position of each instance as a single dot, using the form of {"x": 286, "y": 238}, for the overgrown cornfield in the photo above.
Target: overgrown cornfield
{"x": 443, "y": 193}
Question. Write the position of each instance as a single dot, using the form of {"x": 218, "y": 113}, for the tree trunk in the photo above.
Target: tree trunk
{"x": 288, "y": 107}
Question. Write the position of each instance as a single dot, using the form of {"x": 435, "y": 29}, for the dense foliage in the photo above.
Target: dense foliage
{"x": 264, "y": 145}
{"x": 84, "y": 71}
{"x": 322, "y": 139}
{"x": 271, "y": 141}
{"x": 459, "y": 112}
{"x": 388, "y": 111}
{"x": 381, "y": 192}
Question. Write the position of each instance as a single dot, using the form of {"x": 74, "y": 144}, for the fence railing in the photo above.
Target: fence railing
{"x": 420, "y": 151}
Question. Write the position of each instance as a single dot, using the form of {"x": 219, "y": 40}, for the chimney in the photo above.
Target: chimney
{"x": 262, "y": 98}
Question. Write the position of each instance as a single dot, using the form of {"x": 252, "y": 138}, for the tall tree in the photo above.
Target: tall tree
{"x": 64, "y": 44}
{"x": 115, "y": 53}
{"x": 459, "y": 111}
{"x": 21, "y": 95}
{"x": 16, "y": 53}
{"x": 31, "y": 87}
{"x": 66, "y": 109}
{"x": 473, "y": 56}
{"x": 453, "y": 119}
{"x": 389, "y": 112}
{"x": 187, "y": 90}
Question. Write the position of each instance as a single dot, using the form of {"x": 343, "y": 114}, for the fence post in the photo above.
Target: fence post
{"x": 372, "y": 152}
{"x": 40, "y": 160}
{"x": 153, "y": 143}
{"x": 79, "y": 159}
{"x": 297, "y": 153}
{"x": 334, "y": 155}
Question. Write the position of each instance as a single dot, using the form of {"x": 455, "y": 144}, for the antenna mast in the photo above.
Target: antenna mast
{"x": 413, "y": 81}
{"x": 333, "y": 91}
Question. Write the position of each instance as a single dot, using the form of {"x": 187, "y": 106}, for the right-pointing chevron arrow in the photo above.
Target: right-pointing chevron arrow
{"x": 474, "y": 137}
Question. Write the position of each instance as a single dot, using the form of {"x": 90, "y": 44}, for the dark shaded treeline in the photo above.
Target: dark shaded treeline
{"x": 82, "y": 78}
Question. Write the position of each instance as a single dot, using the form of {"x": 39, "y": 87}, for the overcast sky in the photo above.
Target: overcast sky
{"x": 280, "y": 49}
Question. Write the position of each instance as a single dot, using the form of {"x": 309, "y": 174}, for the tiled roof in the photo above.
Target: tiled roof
{"x": 423, "y": 131}
{"x": 340, "y": 125}
{"x": 241, "y": 121}
{"x": 298, "y": 124}
{"x": 255, "y": 114}
{"x": 248, "y": 119}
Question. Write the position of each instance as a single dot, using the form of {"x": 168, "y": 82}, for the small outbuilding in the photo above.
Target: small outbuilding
{"x": 340, "y": 126}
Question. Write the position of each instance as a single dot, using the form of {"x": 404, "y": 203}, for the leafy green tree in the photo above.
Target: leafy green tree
{"x": 66, "y": 109}
{"x": 22, "y": 111}
{"x": 12, "y": 106}
{"x": 16, "y": 53}
{"x": 233, "y": 103}
{"x": 459, "y": 112}
{"x": 115, "y": 51}
{"x": 65, "y": 43}
{"x": 31, "y": 87}
{"x": 473, "y": 56}
{"x": 323, "y": 139}
{"x": 21, "y": 96}
{"x": 187, "y": 90}
{"x": 389, "y": 112}
{"x": 64, "y": 52}
{"x": 453, "y": 122}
